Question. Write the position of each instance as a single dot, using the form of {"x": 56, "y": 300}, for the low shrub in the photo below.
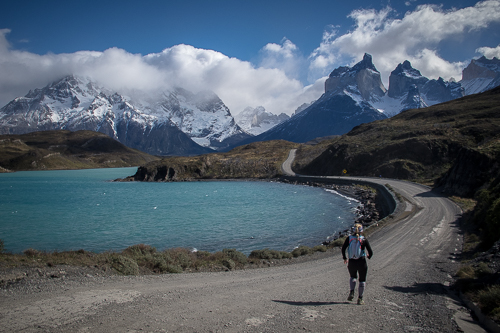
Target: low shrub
{"x": 483, "y": 270}
{"x": 262, "y": 254}
{"x": 268, "y": 254}
{"x": 124, "y": 265}
{"x": 31, "y": 252}
{"x": 237, "y": 256}
{"x": 173, "y": 269}
{"x": 489, "y": 300}
{"x": 181, "y": 257}
{"x": 319, "y": 248}
{"x": 2, "y": 248}
{"x": 159, "y": 264}
{"x": 301, "y": 251}
{"x": 338, "y": 242}
{"x": 139, "y": 250}
{"x": 228, "y": 263}
{"x": 466, "y": 272}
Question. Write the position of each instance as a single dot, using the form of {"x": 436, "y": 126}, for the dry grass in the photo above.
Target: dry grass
{"x": 144, "y": 259}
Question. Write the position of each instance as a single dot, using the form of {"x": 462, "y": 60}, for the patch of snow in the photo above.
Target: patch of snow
{"x": 353, "y": 92}
{"x": 389, "y": 106}
{"x": 477, "y": 85}
{"x": 204, "y": 142}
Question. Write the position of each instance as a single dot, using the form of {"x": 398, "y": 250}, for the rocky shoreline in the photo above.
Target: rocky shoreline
{"x": 368, "y": 210}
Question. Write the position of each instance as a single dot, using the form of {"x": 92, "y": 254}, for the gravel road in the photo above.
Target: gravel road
{"x": 413, "y": 263}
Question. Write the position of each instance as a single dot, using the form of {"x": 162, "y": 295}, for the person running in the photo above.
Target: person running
{"x": 357, "y": 245}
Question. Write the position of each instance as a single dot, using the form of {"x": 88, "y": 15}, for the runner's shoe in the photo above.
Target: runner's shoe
{"x": 360, "y": 301}
{"x": 351, "y": 296}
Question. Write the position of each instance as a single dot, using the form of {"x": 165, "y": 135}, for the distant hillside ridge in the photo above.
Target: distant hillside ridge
{"x": 63, "y": 149}
{"x": 453, "y": 145}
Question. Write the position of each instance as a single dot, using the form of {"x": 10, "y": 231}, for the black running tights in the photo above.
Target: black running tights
{"x": 356, "y": 266}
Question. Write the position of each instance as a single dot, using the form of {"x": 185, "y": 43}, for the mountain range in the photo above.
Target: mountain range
{"x": 356, "y": 95}
{"x": 179, "y": 122}
{"x": 453, "y": 145}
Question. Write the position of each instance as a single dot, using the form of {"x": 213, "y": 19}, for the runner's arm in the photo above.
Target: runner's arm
{"x": 344, "y": 247}
{"x": 369, "y": 248}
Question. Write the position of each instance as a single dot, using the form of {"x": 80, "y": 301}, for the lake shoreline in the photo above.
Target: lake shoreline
{"x": 363, "y": 197}
{"x": 33, "y": 268}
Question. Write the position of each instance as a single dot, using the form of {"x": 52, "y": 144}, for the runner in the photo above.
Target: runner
{"x": 357, "y": 245}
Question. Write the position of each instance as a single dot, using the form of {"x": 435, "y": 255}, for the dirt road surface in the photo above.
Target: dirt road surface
{"x": 413, "y": 263}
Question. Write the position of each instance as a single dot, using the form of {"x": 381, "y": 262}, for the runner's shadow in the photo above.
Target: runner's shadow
{"x": 308, "y": 303}
{"x": 420, "y": 288}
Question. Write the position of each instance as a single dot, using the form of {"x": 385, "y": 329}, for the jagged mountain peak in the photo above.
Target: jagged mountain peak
{"x": 492, "y": 63}
{"x": 403, "y": 78}
{"x": 408, "y": 88}
{"x": 69, "y": 86}
{"x": 480, "y": 75}
{"x": 362, "y": 79}
{"x": 406, "y": 69}
{"x": 366, "y": 63}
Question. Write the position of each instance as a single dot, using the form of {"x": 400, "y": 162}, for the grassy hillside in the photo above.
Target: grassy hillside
{"x": 420, "y": 144}
{"x": 255, "y": 160}
{"x": 58, "y": 150}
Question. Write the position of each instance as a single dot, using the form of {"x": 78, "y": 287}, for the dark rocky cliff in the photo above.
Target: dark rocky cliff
{"x": 470, "y": 171}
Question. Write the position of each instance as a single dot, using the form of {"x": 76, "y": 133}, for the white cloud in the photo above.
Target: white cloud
{"x": 238, "y": 83}
{"x": 286, "y": 57}
{"x": 415, "y": 37}
{"x": 277, "y": 83}
{"x": 489, "y": 52}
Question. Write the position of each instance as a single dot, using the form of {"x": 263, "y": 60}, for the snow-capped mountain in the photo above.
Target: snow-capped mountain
{"x": 343, "y": 106}
{"x": 165, "y": 126}
{"x": 202, "y": 116}
{"x": 356, "y": 95}
{"x": 482, "y": 74}
{"x": 361, "y": 82}
{"x": 331, "y": 114}
{"x": 257, "y": 120}
{"x": 407, "y": 87}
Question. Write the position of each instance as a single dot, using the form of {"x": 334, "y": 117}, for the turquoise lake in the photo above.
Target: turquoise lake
{"x": 83, "y": 209}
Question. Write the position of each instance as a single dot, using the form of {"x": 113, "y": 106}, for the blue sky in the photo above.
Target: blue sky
{"x": 251, "y": 53}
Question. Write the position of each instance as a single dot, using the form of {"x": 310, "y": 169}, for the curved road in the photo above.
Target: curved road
{"x": 406, "y": 289}
{"x": 287, "y": 165}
